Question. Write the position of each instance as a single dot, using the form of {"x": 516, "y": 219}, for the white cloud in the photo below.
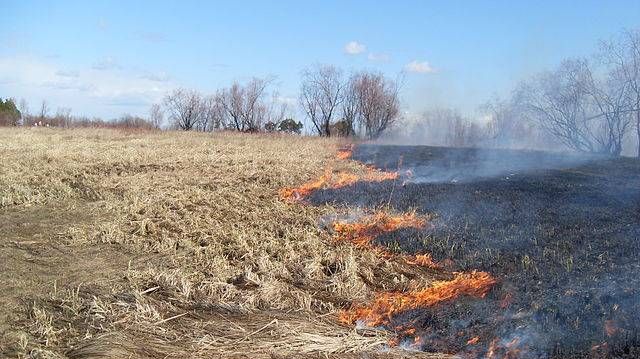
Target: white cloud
{"x": 379, "y": 57}
{"x": 419, "y": 67}
{"x": 354, "y": 48}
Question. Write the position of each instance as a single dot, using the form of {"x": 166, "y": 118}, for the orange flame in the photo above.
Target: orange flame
{"x": 372, "y": 175}
{"x": 345, "y": 152}
{"x": 385, "y": 305}
{"x": 473, "y": 341}
{"x": 423, "y": 260}
{"x": 342, "y": 179}
{"x": 329, "y": 180}
{"x": 297, "y": 193}
{"x": 363, "y": 232}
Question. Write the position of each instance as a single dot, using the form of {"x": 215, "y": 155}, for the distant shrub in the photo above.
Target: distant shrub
{"x": 290, "y": 125}
{"x": 9, "y": 114}
{"x": 342, "y": 128}
{"x": 270, "y": 126}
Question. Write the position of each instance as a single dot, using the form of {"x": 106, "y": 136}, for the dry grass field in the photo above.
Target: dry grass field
{"x": 173, "y": 245}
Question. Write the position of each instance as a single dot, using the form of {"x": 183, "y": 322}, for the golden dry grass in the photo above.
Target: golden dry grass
{"x": 236, "y": 270}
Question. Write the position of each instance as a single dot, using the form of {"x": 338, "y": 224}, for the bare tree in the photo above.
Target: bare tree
{"x": 507, "y": 125}
{"x": 445, "y": 127}
{"x": 213, "y": 116}
{"x": 378, "y": 102}
{"x": 585, "y": 114}
{"x": 254, "y": 106}
{"x": 156, "y": 115}
{"x": 185, "y": 108}
{"x": 623, "y": 55}
{"x": 320, "y": 96}
{"x": 231, "y": 101}
{"x": 44, "y": 110}
{"x": 610, "y": 99}
{"x": 351, "y": 105}
{"x": 24, "y": 111}
{"x": 275, "y": 112}
{"x": 62, "y": 118}
{"x": 244, "y": 104}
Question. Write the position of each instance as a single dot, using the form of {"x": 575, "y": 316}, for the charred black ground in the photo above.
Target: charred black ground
{"x": 561, "y": 233}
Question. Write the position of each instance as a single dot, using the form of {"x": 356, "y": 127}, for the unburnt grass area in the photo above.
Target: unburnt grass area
{"x": 164, "y": 244}
{"x": 561, "y": 234}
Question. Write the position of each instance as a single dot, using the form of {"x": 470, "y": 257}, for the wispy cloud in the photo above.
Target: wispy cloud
{"x": 65, "y": 73}
{"x": 68, "y": 85}
{"x": 156, "y": 77}
{"x": 12, "y": 40}
{"x": 129, "y": 100}
{"x": 378, "y": 57}
{"x": 421, "y": 67}
{"x": 218, "y": 66}
{"x": 152, "y": 36}
{"x": 37, "y": 78}
{"x": 107, "y": 63}
{"x": 354, "y": 48}
{"x": 103, "y": 24}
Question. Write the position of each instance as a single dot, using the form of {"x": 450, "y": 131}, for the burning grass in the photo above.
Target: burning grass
{"x": 363, "y": 231}
{"x": 345, "y": 152}
{"x": 335, "y": 180}
{"x": 387, "y": 305}
{"x": 339, "y": 179}
{"x": 559, "y": 232}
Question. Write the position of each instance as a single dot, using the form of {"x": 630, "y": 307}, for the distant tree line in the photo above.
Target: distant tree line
{"x": 366, "y": 104}
{"x": 241, "y": 107}
{"x": 12, "y": 115}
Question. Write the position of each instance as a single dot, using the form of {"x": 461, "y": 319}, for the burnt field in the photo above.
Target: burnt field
{"x": 560, "y": 234}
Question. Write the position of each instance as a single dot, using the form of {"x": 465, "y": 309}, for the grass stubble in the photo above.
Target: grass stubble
{"x": 231, "y": 269}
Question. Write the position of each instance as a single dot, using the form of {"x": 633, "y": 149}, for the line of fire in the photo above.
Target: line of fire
{"x": 493, "y": 310}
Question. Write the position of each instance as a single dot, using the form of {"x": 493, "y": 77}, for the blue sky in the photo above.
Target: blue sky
{"x": 106, "y": 58}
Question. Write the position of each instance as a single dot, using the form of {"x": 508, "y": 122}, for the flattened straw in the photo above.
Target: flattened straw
{"x": 275, "y": 321}
{"x": 171, "y": 318}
